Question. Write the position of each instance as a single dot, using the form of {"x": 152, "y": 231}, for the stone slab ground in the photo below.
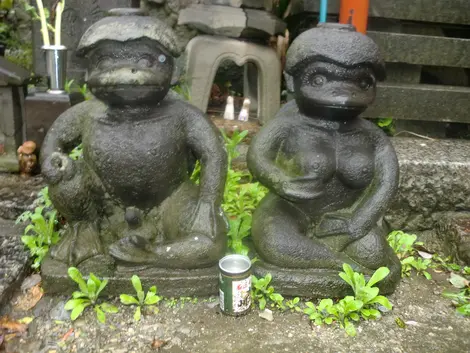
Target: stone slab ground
{"x": 13, "y": 260}
{"x": 201, "y": 328}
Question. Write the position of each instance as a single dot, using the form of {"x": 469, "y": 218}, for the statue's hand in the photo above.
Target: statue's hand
{"x": 301, "y": 188}
{"x": 338, "y": 230}
{"x": 57, "y": 167}
{"x": 207, "y": 220}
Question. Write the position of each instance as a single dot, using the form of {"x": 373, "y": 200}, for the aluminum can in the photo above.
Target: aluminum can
{"x": 235, "y": 285}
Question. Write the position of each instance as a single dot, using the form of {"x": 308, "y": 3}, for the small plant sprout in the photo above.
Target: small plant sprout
{"x": 40, "y": 234}
{"x": 88, "y": 296}
{"x": 364, "y": 304}
{"x": 404, "y": 246}
{"x": 149, "y": 300}
{"x": 263, "y": 294}
{"x": 460, "y": 299}
{"x": 293, "y": 305}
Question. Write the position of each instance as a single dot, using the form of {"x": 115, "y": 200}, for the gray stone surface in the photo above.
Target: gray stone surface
{"x": 13, "y": 260}
{"x": 77, "y": 17}
{"x": 421, "y": 102}
{"x": 171, "y": 283}
{"x": 12, "y": 84}
{"x": 253, "y": 4}
{"x": 201, "y": 70}
{"x": 231, "y": 21}
{"x": 423, "y": 49}
{"x": 17, "y": 194}
{"x": 444, "y": 11}
{"x": 434, "y": 180}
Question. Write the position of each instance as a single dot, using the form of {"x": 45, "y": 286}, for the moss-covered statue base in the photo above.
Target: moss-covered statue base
{"x": 317, "y": 283}
{"x": 170, "y": 283}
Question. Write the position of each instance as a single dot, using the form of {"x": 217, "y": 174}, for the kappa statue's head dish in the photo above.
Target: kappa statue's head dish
{"x": 334, "y": 70}
{"x": 130, "y": 59}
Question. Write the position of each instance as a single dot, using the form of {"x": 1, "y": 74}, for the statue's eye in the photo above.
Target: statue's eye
{"x": 145, "y": 61}
{"x": 365, "y": 84}
{"x": 104, "y": 62}
{"x": 318, "y": 80}
{"x": 162, "y": 58}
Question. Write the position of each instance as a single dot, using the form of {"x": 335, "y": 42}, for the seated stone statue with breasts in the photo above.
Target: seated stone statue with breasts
{"x": 331, "y": 174}
{"x": 129, "y": 202}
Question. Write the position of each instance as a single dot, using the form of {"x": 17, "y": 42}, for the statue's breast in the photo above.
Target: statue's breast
{"x": 310, "y": 151}
{"x": 355, "y": 159}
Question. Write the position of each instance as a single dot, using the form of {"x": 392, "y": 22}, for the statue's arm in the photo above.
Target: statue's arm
{"x": 208, "y": 146}
{"x": 261, "y": 157}
{"x": 383, "y": 188}
{"x": 65, "y": 133}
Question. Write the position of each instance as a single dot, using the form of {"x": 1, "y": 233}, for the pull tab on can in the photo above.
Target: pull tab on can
{"x": 235, "y": 285}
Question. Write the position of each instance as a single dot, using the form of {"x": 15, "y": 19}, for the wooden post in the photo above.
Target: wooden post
{"x": 355, "y": 12}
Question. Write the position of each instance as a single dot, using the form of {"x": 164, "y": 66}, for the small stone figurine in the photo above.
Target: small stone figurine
{"x": 331, "y": 174}
{"x": 245, "y": 112}
{"x": 229, "y": 113}
{"x": 27, "y": 158}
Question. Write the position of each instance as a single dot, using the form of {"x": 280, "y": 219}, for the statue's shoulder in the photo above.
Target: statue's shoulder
{"x": 89, "y": 108}
{"x": 287, "y": 114}
{"x": 180, "y": 106}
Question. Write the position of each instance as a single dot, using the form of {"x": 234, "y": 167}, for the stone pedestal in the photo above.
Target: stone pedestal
{"x": 12, "y": 87}
{"x": 41, "y": 110}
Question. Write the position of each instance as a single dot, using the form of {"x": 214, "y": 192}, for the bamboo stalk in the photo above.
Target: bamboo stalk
{"x": 58, "y": 21}
{"x": 42, "y": 16}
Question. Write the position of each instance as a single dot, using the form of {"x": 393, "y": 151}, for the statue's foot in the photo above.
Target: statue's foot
{"x": 79, "y": 242}
{"x": 133, "y": 249}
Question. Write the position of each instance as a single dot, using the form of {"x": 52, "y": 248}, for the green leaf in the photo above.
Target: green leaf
{"x": 73, "y": 303}
{"x": 458, "y": 281}
{"x": 348, "y": 275}
{"x": 141, "y": 296}
{"x": 104, "y": 283}
{"x": 349, "y": 328}
{"x": 427, "y": 275}
{"x": 109, "y": 308}
{"x": 354, "y": 305}
{"x": 354, "y": 316}
{"x": 262, "y": 303}
{"x": 136, "y": 283}
{"x": 78, "y": 294}
{"x": 137, "y": 314}
{"x": 276, "y": 297}
{"x": 152, "y": 298}
{"x": 77, "y": 277}
{"x": 128, "y": 299}
{"x": 76, "y": 312}
{"x": 380, "y": 299}
{"x": 91, "y": 285}
{"x": 153, "y": 289}
{"x": 100, "y": 315}
{"x": 328, "y": 320}
{"x": 378, "y": 275}
{"x": 366, "y": 294}
{"x": 95, "y": 280}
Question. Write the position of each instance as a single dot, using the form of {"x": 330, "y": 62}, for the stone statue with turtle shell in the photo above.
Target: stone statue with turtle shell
{"x": 129, "y": 203}
{"x": 331, "y": 174}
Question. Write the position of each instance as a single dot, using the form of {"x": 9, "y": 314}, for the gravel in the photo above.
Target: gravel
{"x": 432, "y": 326}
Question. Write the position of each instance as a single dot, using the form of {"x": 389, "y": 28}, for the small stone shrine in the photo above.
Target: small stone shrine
{"x": 12, "y": 91}
{"x": 130, "y": 205}
{"x": 331, "y": 174}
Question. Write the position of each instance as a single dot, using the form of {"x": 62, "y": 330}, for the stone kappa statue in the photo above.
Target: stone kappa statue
{"x": 331, "y": 174}
{"x": 129, "y": 200}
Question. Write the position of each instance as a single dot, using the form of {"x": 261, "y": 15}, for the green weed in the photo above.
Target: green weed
{"x": 141, "y": 300}
{"x": 88, "y": 296}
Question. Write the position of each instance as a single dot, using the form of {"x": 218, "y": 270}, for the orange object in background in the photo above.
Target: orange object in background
{"x": 355, "y": 12}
